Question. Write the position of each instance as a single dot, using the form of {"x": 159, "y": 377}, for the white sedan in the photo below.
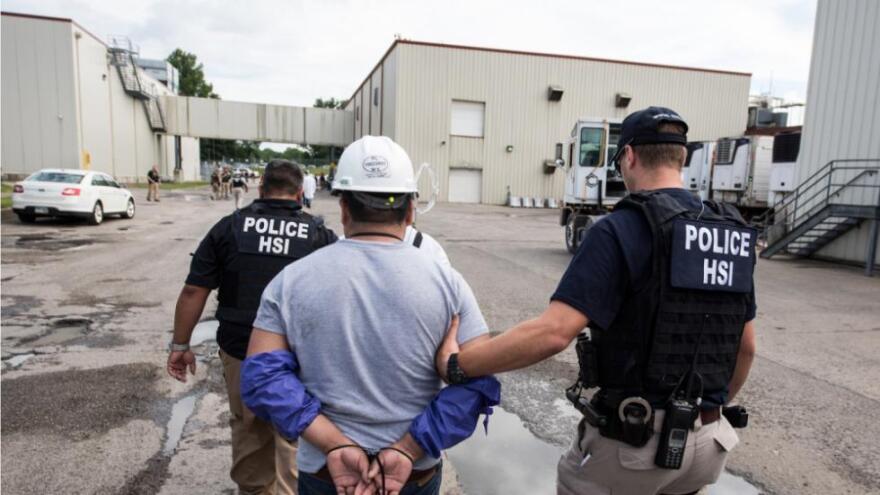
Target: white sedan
{"x": 71, "y": 192}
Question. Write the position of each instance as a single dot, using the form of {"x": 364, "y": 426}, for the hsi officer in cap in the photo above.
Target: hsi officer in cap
{"x": 664, "y": 284}
{"x": 239, "y": 256}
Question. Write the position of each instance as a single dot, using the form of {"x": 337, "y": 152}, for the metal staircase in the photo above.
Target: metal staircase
{"x": 122, "y": 55}
{"x": 836, "y": 199}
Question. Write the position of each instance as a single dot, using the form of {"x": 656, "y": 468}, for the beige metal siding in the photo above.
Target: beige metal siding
{"x": 373, "y": 104}
{"x": 514, "y": 88}
{"x": 843, "y": 103}
{"x": 38, "y": 99}
{"x": 389, "y": 95}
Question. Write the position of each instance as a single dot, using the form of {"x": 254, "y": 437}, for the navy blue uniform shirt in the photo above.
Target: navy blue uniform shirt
{"x": 215, "y": 252}
{"x": 615, "y": 257}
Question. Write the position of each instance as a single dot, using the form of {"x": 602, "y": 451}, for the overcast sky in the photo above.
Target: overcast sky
{"x": 291, "y": 52}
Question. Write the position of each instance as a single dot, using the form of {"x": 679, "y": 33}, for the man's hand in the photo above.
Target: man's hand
{"x": 397, "y": 468}
{"x": 349, "y": 468}
{"x": 448, "y": 347}
{"x": 178, "y": 362}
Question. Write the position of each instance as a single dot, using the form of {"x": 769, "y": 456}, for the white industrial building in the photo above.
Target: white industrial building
{"x": 487, "y": 119}
{"x": 835, "y": 210}
{"x": 70, "y": 100}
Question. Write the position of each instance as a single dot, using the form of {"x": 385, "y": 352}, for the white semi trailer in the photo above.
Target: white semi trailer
{"x": 696, "y": 174}
{"x": 783, "y": 169}
{"x": 593, "y": 185}
{"x": 741, "y": 172}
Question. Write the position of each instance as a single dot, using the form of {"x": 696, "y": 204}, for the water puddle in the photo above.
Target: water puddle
{"x": 729, "y": 484}
{"x": 61, "y": 331}
{"x": 180, "y": 413}
{"x": 512, "y": 461}
{"x": 45, "y": 242}
{"x": 18, "y": 360}
{"x": 204, "y": 331}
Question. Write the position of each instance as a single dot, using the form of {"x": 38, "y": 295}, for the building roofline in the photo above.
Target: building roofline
{"x": 55, "y": 19}
{"x": 542, "y": 54}
{"x": 370, "y": 74}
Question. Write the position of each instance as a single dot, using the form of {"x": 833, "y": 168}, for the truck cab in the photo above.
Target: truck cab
{"x": 593, "y": 184}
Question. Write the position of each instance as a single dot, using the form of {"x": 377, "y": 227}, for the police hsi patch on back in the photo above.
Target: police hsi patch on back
{"x": 274, "y": 236}
{"x": 712, "y": 256}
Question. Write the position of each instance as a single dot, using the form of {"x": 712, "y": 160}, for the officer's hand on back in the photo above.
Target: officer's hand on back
{"x": 448, "y": 347}
{"x": 179, "y": 361}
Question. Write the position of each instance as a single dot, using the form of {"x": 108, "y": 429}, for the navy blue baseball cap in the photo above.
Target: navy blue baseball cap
{"x": 642, "y": 127}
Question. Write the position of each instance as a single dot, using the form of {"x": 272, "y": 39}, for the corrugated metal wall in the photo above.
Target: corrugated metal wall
{"x": 62, "y": 101}
{"x": 514, "y": 88}
{"x": 843, "y": 103}
{"x": 39, "y": 116}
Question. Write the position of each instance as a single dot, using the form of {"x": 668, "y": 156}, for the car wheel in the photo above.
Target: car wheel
{"x": 129, "y": 210}
{"x": 97, "y": 214}
{"x": 27, "y": 217}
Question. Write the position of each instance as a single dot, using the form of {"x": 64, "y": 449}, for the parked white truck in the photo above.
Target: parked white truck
{"x": 593, "y": 185}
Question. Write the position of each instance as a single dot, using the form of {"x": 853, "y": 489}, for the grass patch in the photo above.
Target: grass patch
{"x": 5, "y": 195}
{"x": 167, "y": 186}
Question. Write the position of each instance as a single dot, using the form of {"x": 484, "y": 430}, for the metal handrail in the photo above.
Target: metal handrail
{"x": 812, "y": 190}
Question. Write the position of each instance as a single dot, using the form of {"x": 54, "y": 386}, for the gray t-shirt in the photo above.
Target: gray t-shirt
{"x": 365, "y": 320}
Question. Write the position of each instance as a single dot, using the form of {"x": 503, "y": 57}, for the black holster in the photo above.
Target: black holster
{"x": 588, "y": 363}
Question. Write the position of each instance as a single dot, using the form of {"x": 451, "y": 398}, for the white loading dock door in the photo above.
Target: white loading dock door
{"x": 465, "y": 186}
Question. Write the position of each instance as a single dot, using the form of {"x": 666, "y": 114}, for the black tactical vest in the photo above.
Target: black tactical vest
{"x": 698, "y": 292}
{"x": 266, "y": 241}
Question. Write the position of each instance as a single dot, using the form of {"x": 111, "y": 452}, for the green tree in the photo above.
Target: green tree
{"x": 192, "y": 82}
{"x": 191, "y": 75}
{"x": 329, "y": 103}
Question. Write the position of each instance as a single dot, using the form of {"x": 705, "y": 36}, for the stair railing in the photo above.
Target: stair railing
{"x": 815, "y": 193}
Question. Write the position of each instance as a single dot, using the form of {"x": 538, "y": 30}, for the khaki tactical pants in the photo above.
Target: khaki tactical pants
{"x": 153, "y": 191}
{"x": 602, "y": 466}
{"x": 262, "y": 461}
{"x": 238, "y": 195}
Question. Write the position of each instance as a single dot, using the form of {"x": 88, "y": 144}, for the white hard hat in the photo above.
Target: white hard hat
{"x": 375, "y": 164}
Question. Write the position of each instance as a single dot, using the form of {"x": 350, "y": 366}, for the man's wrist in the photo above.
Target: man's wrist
{"x": 178, "y": 347}
{"x": 454, "y": 373}
{"x": 409, "y": 445}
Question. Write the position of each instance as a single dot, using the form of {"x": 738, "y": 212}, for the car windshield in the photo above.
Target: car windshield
{"x": 64, "y": 177}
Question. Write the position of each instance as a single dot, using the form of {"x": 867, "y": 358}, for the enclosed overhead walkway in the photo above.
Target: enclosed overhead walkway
{"x": 220, "y": 119}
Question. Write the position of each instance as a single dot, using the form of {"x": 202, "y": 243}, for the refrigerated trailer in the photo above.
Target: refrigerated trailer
{"x": 696, "y": 174}
{"x": 741, "y": 172}
{"x": 783, "y": 170}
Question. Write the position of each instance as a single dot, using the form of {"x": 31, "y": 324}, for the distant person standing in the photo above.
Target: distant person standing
{"x": 153, "y": 184}
{"x": 309, "y": 186}
{"x": 239, "y": 187}
{"x": 215, "y": 183}
{"x": 225, "y": 178}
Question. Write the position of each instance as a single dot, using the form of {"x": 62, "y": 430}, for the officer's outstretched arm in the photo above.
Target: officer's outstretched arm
{"x": 271, "y": 389}
{"x": 523, "y": 345}
{"x": 747, "y": 348}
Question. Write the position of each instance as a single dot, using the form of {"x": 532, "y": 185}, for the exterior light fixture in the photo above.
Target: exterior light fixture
{"x": 622, "y": 100}
{"x": 554, "y": 93}
{"x": 509, "y": 148}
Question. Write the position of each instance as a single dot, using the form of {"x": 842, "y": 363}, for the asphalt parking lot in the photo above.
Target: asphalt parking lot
{"x": 87, "y": 314}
